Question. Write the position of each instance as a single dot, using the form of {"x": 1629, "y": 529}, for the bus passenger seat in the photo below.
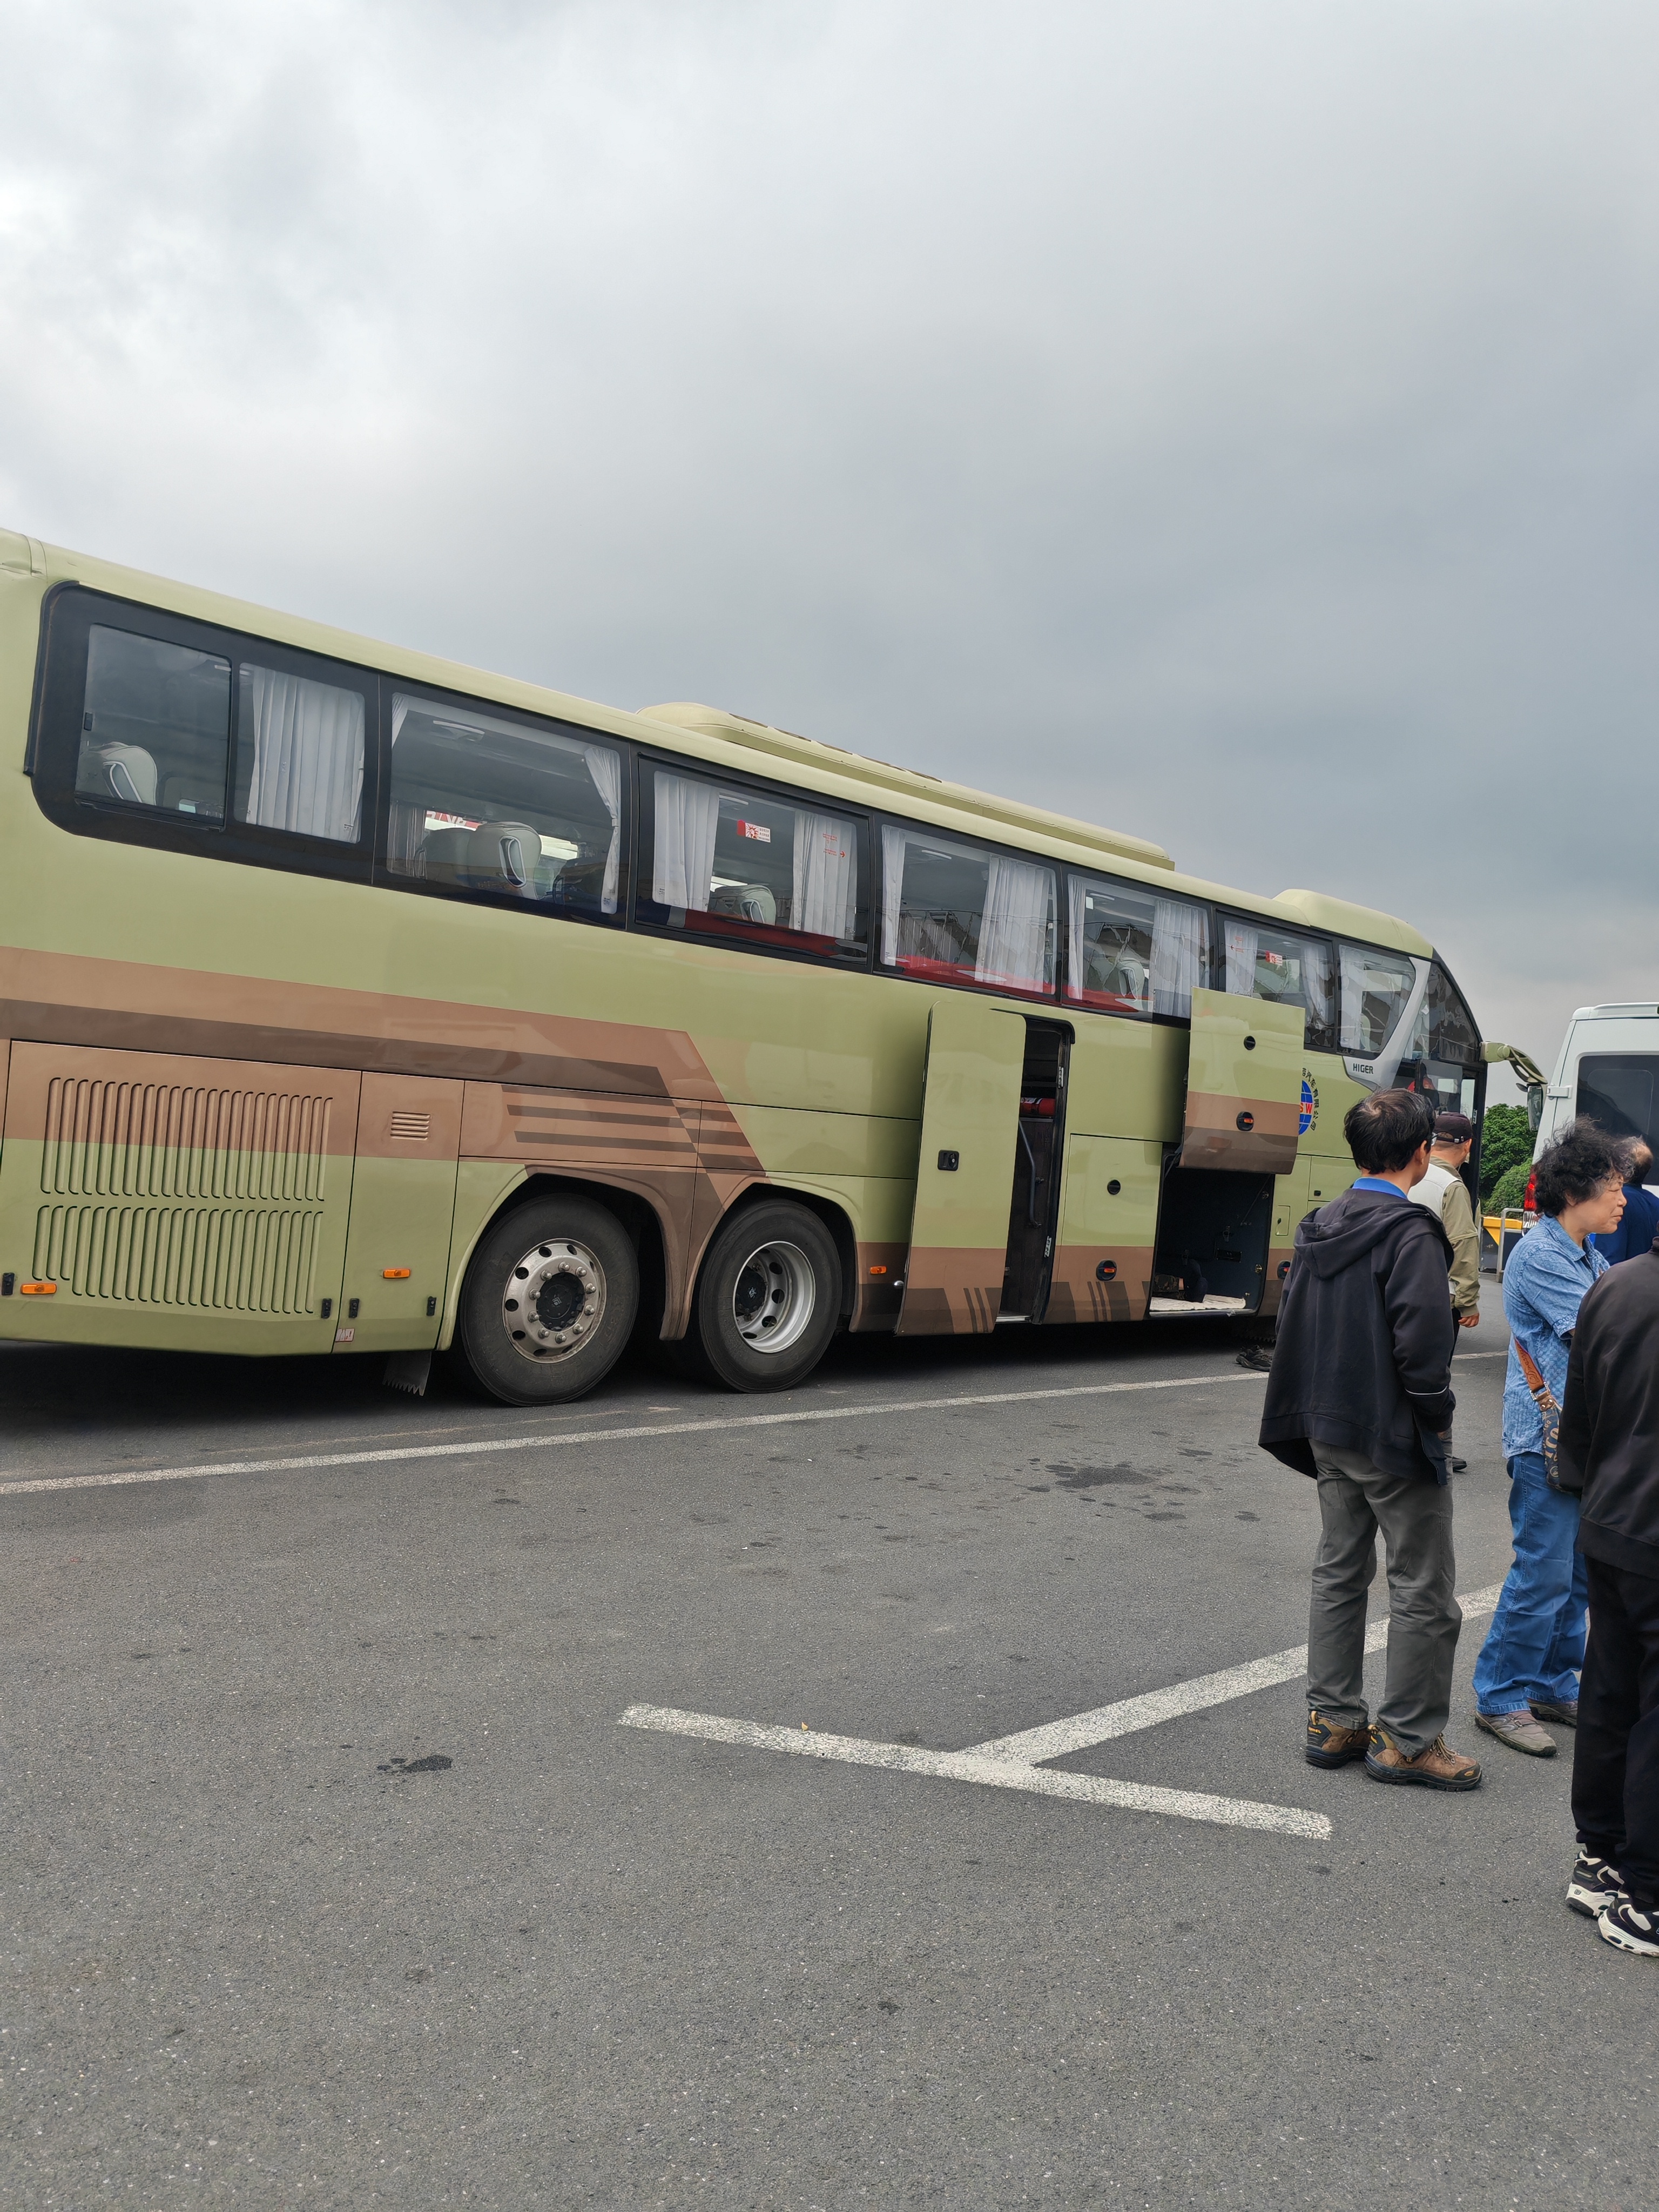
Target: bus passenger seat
{"x": 443, "y": 855}
{"x": 129, "y": 773}
{"x": 505, "y": 856}
{"x": 579, "y": 887}
{"x": 745, "y": 901}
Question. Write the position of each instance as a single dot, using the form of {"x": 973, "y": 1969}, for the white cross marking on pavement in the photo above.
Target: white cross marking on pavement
{"x": 1014, "y": 1762}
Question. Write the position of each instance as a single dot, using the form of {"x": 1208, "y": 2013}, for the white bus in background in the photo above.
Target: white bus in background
{"x": 1608, "y": 1068}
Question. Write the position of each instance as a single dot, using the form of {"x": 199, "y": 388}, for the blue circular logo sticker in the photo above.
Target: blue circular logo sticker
{"x": 1310, "y": 1113}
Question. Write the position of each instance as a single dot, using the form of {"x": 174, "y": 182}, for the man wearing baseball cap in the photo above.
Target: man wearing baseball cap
{"x": 1444, "y": 1192}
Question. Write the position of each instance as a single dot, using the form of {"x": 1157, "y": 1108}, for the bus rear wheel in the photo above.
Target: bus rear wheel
{"x": 769, "y": 1297}
{"x": 549, "y": 1302}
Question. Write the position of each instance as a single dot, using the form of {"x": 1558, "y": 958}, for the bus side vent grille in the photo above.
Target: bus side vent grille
{"x": 215, "y": 1259}
{"x": 174, "y": 1140}
{"x": 411, "y": 1128}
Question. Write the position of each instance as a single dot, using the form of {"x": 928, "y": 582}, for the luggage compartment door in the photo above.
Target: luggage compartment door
{"x": 1243, "y": 1084}
{"x": 403, "y": 1207}
{"x": 191, "y": 1205}
{"x": 965, "y": 1178}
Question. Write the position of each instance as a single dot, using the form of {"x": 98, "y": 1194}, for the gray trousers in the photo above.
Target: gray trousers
{"x": 1357, "y": 1498}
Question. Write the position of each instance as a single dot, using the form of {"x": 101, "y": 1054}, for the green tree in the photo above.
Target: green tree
{"x": 1511, "y": 1186}
{"x": 1505, "y": 1143}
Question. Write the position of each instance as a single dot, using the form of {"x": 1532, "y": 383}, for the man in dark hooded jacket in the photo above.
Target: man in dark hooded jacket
{"x": 1359, "y": 1397}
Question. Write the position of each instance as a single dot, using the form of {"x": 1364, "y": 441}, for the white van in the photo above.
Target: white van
{"x": 1608, "y": 1068}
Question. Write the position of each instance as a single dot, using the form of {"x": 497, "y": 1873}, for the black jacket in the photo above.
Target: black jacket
{"x": 1365, "y": 1336}
{"x": 1608, "y": 1444}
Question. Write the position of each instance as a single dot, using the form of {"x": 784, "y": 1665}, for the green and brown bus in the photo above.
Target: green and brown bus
{"x": 353, "y": 1000}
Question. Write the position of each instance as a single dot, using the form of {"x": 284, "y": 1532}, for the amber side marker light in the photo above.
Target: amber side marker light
{"x": 395, "y": 1275}
{"x": 878, "y": 1271}
{"x": 38, "y": 1290}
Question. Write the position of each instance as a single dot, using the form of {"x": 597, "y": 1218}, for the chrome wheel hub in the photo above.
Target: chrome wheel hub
{"x": 774, "y": 1295}
{"x": 554, "y": 1299}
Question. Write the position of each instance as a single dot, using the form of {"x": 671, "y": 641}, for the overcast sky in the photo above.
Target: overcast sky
{"x": 1236, "y": 423}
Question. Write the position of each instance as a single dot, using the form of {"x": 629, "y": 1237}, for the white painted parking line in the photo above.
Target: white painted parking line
{"x": 1015, "y": 1762}
{"x": 973, "y": 1766}
{"x": 534, "y": 1440}
{"x": 1130, "y": 1715}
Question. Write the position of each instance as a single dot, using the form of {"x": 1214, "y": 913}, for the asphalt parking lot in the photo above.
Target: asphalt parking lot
{"x": 335, "y": 1876}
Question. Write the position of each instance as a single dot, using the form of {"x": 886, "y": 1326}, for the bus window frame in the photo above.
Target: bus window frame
{"x": 1279, "y": 928}
{"x": 692, "y": 765}
{"x": 386, "y": 878}
{"x": 68, "y": 614}
{"x": 990, "y": 845}
{"x": 1063, "y": 951}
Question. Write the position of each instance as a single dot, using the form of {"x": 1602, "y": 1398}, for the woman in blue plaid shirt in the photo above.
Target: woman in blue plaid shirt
{"x": 1528, "y": 1670}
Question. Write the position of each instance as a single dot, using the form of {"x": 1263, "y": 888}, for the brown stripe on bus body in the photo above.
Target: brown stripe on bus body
{"x": 75, "y": 998}
{"x": 68, "y": 1097}
{"x": 952, "y": 1292}
{"x": 1078, "y": 1292}
{"x": 1214, "y": 1138}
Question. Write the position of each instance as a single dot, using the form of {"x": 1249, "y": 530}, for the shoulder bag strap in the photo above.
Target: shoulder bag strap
{"x": 1542, "y": 1395}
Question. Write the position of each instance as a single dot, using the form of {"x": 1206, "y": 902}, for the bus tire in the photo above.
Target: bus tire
{"x": 549, "y": 1302}
{"x": 769, "y": 1297}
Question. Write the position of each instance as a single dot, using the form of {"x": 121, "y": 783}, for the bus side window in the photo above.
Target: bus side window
{"x": 1287, "y": 970}
{"x": 155, "y": 725}
{"x": 1377, "y": 987}
{"x": 957, "y": 914}
{"x": 754, "y": 867}
{"x": 485, "y": 807}
{"x": 1133, "y": 952}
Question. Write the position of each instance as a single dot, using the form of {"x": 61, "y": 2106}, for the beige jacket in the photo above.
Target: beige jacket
{"x": 1443, "y": 1191}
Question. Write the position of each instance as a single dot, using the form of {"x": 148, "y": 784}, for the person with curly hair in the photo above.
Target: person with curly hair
{"x": 1527, "y": 1671}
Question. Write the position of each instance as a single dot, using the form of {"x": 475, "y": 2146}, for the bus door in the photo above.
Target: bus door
{"x": 403, "y": 1208}
{"x": 152, "y": 1199}
{"x": 959, "y": 1257}
{"x": 1239, "y": 1132}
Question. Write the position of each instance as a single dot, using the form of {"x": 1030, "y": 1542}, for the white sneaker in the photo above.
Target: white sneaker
{"x": 1594, "y": 1885}
{"x": 1629, "y": 1927}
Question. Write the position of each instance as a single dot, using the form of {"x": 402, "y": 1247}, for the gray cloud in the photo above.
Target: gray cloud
{"x": 1236, "y": 425}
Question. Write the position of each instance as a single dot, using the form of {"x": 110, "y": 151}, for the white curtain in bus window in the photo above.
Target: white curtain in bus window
{"x": 605, "y": 766}
{"x": 684, "y": 826}
{"x": 965, "y": 916}
{"x": 824, "y": 876}
{"x": 1017, "y": 940}
{"x": 508, "y": 809}
{"x": 1241, "y": 959}
{"x": 154, "y": 725}
{"x": 1181, "y": 955}
{"x": 308, "y": 748}
{"x": 1285, "y": 969}
{"x": 1319, "y": 990}
{"x": 1375, "y": 987}
{"x": 751, "y": 865}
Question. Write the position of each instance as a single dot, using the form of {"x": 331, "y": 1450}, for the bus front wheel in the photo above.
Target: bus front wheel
{"x": 769, "y": 1297}
{"x": 549, "y": 1302}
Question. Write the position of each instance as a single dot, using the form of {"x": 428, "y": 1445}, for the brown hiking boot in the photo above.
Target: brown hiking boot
{"x": 1330, "y": 1744}
{"x": 1437, "y": 1768}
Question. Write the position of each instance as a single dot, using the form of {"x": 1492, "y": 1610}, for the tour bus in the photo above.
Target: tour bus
{"x": 354, "y": 1001}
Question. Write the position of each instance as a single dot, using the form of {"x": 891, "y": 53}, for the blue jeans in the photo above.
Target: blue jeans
{"x": 1535, "y": 1644}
